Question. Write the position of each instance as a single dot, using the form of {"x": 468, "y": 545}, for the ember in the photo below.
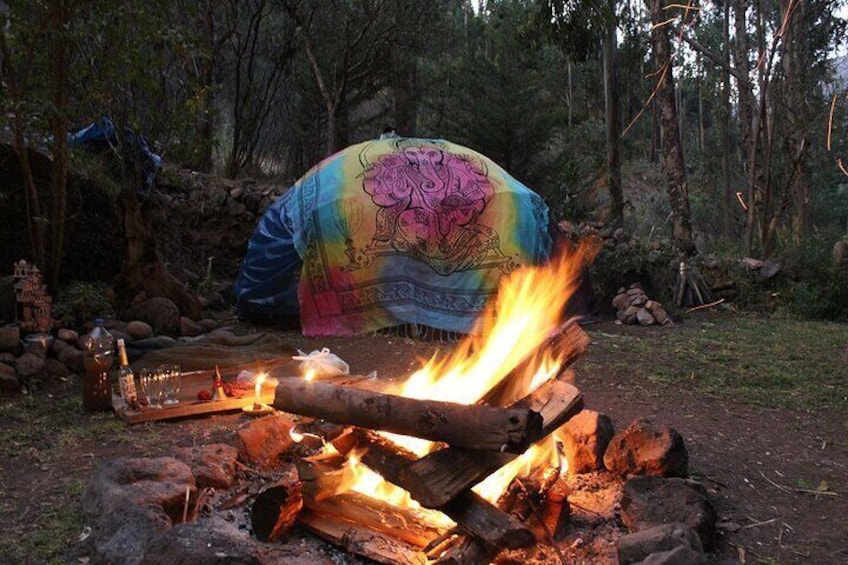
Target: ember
{"x": 460, "y": 431}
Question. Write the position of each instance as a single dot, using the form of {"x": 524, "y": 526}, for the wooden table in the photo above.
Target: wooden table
{"x": 189, "y": 405}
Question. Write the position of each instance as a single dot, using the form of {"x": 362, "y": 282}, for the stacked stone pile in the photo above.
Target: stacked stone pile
{"x": 153, "y": 323}
{"x": 637, "y": 479}
{"x": 632, "y": 306}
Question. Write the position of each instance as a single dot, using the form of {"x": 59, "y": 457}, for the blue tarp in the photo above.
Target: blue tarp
{"x": 103, "y": 134}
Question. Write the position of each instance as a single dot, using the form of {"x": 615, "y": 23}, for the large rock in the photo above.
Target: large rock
{"x": 263, "y": 440}
{"x": 213, "y": 465}
{"x": 68, "y": 335}
{"x": 128, "y": 501}
{"x": 648, "y": 502}
{"x": 207, "y": 541}
{"x": 643, "y": 449}
{"x": 189, "y": 328}
{"x": 69, "y": 356}
{"x": 56, "y": 368}
{"x": 585, "y": 438}
{"x": 635, "y": 547}
{"x": 161, "y": 313}
{"x": 159, "y": 483}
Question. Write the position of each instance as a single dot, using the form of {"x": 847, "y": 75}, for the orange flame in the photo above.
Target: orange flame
{"x": 528, "y": 310}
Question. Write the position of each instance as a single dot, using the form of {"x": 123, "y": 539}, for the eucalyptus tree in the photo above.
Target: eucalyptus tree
{"x": 781, "y": 58}
{"x": 357, "y": 51}
{"x": 576, "y": 27}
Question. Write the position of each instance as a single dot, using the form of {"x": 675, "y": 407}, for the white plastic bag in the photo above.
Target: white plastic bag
{"x": 322, "y": 363}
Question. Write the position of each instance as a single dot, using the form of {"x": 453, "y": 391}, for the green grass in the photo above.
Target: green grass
{"x": 764, "y": 361}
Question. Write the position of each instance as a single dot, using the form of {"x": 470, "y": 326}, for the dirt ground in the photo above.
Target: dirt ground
{"x": 762, "y": 467}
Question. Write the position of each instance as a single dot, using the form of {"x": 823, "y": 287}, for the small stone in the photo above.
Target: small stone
{"x": 645, "y": 318}
{"x": 9, "y": 383}
{"x": 189, "y": 328}
{"x": 139, "y": 330}
{"x": 635, "y": 547}
{"x": 68, "y": 335}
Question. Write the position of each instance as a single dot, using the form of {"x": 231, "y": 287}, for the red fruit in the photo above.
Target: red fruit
{"x": 204, "y": 395}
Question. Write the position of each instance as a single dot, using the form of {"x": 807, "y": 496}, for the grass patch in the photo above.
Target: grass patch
{"x": 788, "y": 364}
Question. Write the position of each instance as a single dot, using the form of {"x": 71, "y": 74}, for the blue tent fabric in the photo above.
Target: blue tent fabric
{"x": 266, "y": 286}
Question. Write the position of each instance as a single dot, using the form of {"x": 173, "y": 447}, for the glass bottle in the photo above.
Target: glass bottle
{"x": 98, "y": 356}
{"x": 126, "y": 379}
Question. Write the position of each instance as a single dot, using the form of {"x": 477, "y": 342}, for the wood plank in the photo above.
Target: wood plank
{"x": 360, "y": 540}
{"x": 470, "y": 511}
{"x": 395, "y": 522}
{"x": 435, "y": 479}
{"x": 470, "y": 426}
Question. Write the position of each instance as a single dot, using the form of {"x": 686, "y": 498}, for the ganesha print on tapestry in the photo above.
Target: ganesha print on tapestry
{"x": 429, "y": 206}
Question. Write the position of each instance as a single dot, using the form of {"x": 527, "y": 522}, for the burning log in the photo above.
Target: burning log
{"x": 566, "y": 343}
{"x": 380, "y": 517}
{"x": 361, "y": 540}
{"x": 479, "y": 427}
{"x": 437, "y": 478}
{"x": 472, "y": 513}
{"x": 521, "y": 503}
{"x": 275, "y": 510}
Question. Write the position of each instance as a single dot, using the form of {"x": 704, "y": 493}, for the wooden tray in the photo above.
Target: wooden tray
{"x": 190, "y": 384}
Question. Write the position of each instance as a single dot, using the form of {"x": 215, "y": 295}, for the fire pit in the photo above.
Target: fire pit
{"x": 466, "y": 462}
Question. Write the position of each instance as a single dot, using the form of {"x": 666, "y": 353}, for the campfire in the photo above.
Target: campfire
{"x": 460, "y": 461}
{"x": 485, "y": 455}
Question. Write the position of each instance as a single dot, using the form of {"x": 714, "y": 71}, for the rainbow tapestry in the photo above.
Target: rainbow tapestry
{"x": 390, "y": 232}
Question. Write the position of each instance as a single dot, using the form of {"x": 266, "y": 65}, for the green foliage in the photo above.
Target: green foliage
{"x": 80, "y": 302}
{"x": 815, "y": 288}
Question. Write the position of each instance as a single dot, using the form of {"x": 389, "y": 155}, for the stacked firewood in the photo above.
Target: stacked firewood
{"x": 632, "y": 306}
{"x": 476, "y": 440}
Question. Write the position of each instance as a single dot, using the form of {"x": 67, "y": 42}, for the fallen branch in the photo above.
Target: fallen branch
{"x": 791, "y": 490}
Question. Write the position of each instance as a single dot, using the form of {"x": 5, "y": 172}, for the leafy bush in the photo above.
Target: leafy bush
{"x": 80, "y": 302}
{"x": 815, "y": 288}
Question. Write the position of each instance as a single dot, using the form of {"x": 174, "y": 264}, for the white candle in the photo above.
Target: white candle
{"x": 257, "y": 400}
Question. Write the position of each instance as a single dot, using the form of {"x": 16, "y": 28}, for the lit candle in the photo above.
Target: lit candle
{"x": 257, "y": 399}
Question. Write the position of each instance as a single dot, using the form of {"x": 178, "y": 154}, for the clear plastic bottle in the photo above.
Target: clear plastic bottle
{"x": 98, "y": 349}
{"x": 126, "y": 379}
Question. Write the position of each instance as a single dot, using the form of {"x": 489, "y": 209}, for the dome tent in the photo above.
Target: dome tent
{"x": 390, "y": 232}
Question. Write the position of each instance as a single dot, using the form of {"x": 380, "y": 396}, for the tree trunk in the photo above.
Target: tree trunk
{"x": 406, "y": 101}
{"x": 440, "y": 476}
{"x": 675, "y": 168}
{"x": 144, "y": 269}
{"x": 797, "y": 118}
{"x": 613, "y": 124}
{"x": 471, "y": 512}
{"x": 59, "y": 52}
{"x": 728, "y": 199}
